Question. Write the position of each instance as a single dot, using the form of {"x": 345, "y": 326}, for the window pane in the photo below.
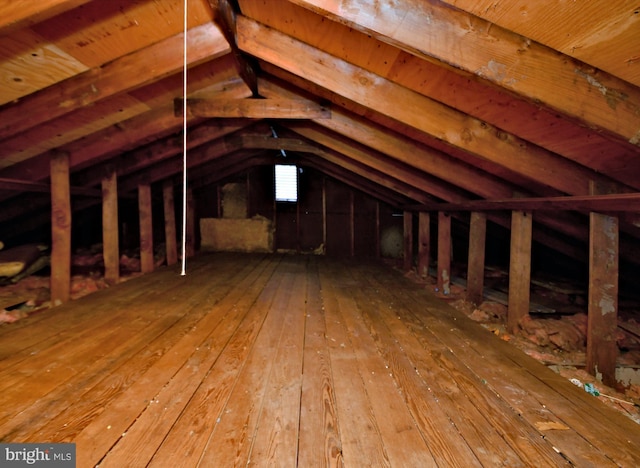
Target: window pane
{"x": 286, "y": 183}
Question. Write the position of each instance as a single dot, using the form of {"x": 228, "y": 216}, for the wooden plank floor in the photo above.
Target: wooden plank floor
{"x": 290, "y": 361}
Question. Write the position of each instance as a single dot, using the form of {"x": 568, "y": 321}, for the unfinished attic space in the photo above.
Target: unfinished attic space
{"x": 305, "y": 233}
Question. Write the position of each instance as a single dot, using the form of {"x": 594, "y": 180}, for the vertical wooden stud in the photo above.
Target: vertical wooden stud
{"x": 443, "y": 282}
{"x": 602, "y": 322}
{"x": 298, "y": 228}
{"x": 170, "y": 237}
{"x": 219, "y": 196}
{"x": 352, "y": 224}
{"x": 191, "y": 225}
{"x": 519, "y": 269}
{"x": 378, "y": 244}
{"x": 110, "y": 227}
{"x": 424, "y": 243}
{"x": 60, "y": 229}
{"x": 324, "y": 212}
{"x": 475, "y": 264}
{"x": 146, "y": 228}
{"x": 407, "y": 219}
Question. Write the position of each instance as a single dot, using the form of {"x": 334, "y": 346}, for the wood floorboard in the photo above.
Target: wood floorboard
{"x": 280, "y": 360}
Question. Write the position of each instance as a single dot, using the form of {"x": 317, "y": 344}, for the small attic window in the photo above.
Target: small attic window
{"x": 286, "y": 183}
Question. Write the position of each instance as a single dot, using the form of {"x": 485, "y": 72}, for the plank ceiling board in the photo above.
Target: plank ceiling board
{"x": 602, "y": 34}
{"x": 29, "y": 63}
{"x": 99, "y": 31}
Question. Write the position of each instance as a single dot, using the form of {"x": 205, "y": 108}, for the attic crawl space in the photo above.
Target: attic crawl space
{"x": 321, "y": 233}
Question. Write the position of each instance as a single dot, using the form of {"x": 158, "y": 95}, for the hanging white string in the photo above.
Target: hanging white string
{"x": 184, "y": 143}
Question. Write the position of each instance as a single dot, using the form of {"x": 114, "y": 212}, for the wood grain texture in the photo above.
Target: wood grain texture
{"x": 600, "y": 35}
{"x": 424, "y": 243}
{"x": 464, "y": 41}
{"x": 145, "y": 216}
{"x": 443, "y": 279}
{"x": 602, "y": 323}
{"x": 170, "y": 234}
{"x": 60, "y": 229}
{"x": 296, "y": 360}
{"x": 411, "y": 108}
{"x": 110, "y": 228}
{"x": 519, "y": 268}
{"x": 125, "y": 73}
{"x": 475, "y": 262}
{"x": 252, "y": 108}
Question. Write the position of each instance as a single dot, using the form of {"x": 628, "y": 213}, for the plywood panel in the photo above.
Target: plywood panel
{"x": 29, "y": 63}
{"x": 89, "y": 35}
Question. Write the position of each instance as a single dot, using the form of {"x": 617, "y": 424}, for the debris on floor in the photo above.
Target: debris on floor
{"x": 557, "y": 337}
{"x": 25, "y": 280}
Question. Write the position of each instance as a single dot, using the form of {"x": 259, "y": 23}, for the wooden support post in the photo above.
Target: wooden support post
{"x": 407, "y": 219}
{"x": 191, "y": 225}
{"x": 170, "y": 238}
{"x": 378, "y": 244}
{"x": 424, "y": 243}
{"x": 443, "y": 282}
{"x": 352, "y": 224}
{"x": 146, "y": 228}
{"x": 324, "y": 212}
{"x": 519, "y": 269}
{"x": 60, "y": 230}
{"x": 602, "y": 322}
{"x": 475, "y": 263}
{"x": 110, "y": 228}
{"x": 298, "y": 227}
{"x": 219, "y": 207}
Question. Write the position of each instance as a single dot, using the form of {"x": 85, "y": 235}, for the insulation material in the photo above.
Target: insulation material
{"x": 13, "y": 261}
{"x": 234, "y": 200}
{"x": 237, "y": 235}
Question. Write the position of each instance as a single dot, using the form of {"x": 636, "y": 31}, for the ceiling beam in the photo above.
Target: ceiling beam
{"x": 162, "y": 149}
{"x": 578, "y": 29}
{"x": 40, "y": 187}
{"x": 118, "y": 112}
{"x": 464, "y": 41}
{"x": 269, "y": 142}
{"x": 615, "y": 202}
{"x": 401, "y": 148}
{"x": 123, "y": 74}
{"x": 379, "y": 162}
{"x": 252, "y": 108}
{"x": 117, "y": 139}
{"x": 414, "y": 109}
{"x": 225, "y": 17}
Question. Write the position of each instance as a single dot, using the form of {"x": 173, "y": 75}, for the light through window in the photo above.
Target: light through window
{"x": 286, "y": 183}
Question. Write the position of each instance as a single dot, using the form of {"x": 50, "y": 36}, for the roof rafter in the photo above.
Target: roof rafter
{"x": 414, "y": 109}
{"x": 123, "y": 74}
{"x": 14, "y": 14}
{"x": 502, "y": 57}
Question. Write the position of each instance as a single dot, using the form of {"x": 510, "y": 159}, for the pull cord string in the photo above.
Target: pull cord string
{"x": 184, "y": 143}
